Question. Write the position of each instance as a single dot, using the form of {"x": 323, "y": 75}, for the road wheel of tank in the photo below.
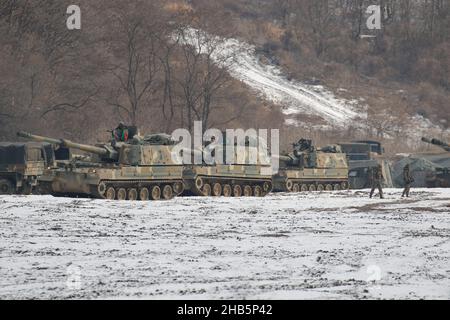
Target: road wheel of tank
{"x": 257, "y": 191}
{"x": 344, "y": 185}
{"x": 247, "y": 191}
{"x": 110, "y": 193}
{"x": 199, "y": 183}
{"x": 289, "y": 185}
{"x": 144, "y": 194}
{"x": 156, "y": 193}
{"x": 217, "y": 190}
{"x": 167, "y": 192}
{"x": 320, "y": 187}
{"x": 178, "y": 188}
{"x": 337, "y": 187}
{"x": 237, "y": 191}
{"x": 296, "y": 188}
{"x": 121, "y": 194}
{"x": 101, "y": 189}
{"x": 227, "y": 191}
{"x": 6, "y": 187}
{"x": 312, "y": 188}
{"x": 329, "y": 187}
{"x": 266, "y": 187}
{"x": 132, "y": 194}
{"x": 304, "y": 188}
{"x": 206, "y": 190}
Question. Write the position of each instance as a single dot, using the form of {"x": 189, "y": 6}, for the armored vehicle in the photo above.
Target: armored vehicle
{"x": 242, "y": 177}
{"x": 21, "y": 164}
{"x": 141, "y": 168}
{"x": 362, "y": 157}
{"x": 309, "y": 168}
{"x": 440, "y": 176}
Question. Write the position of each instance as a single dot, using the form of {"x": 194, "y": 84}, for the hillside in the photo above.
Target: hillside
{"x": 301, "y": 66}
{"x": 397, "y": 82}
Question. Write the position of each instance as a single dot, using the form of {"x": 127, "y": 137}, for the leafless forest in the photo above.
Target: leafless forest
{"x": 128, "y": 63}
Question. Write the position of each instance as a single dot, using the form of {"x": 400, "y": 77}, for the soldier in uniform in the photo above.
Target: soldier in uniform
{"x": 120, "y": 134}
{"x": 377, "y": 179}
{"x": 407, "y": 179}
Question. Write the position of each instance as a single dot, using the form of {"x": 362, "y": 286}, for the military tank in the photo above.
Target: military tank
{"x": 440, "y": 176}
{"x": 309, "y": 169}
{"x": 142, "y": 168}
{"x": 242, "y": 177}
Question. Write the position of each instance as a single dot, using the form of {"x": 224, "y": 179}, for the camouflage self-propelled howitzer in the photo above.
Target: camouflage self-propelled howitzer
{"x": 140, "y": 169}
{"x": 241, "y": 177}
{"x": 440, "y": 177}
{"x": 310, "y": 169}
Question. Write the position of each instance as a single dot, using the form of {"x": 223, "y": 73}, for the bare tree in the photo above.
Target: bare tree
{"x": 204, "y": 73}
{"x": 137, "y": 65}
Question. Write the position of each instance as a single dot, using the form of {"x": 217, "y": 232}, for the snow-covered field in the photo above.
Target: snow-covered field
{"x": 332, "y": 246}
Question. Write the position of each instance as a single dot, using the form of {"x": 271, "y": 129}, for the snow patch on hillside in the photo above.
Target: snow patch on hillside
{"x": 296, "y": 98}
{"x": 270, "y": 83}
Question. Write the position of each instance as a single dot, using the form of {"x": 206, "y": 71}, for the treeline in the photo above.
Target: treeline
{"x": 403, "y": 71}
{"x": 129, "y": 62}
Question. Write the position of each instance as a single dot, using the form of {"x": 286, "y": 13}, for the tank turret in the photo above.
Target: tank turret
{"x": 438, "y": 143}
{"x": 302, "y": 155}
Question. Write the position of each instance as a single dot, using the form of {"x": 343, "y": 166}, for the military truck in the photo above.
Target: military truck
{"x": 440, "y": 176}
{"x": 21, "y": 164}
{"x": 309, "y": 169}
{"x": 362, "y": 156}
{"x": 236, "y": 179}
{"x": 139, "y": 169}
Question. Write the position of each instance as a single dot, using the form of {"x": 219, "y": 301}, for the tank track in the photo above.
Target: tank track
{"x": 229, "y": 187}
{"x": 138, "y": 189}
{"x": 299, "y": 185}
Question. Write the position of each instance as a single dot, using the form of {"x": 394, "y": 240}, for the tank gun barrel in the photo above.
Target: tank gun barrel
{"x": 37, "y": 138}
{"x": 287, "y": 160}
{"x": 69, "y": 144}
{"x": 438, "y": 143}
{"x": 426, "y": 140}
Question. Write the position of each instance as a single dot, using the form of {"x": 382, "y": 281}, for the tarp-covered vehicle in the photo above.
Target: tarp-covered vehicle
{"x": 429, "y": 170}
{"x": 21, "y": 164}
{"x": 362, "y": 157}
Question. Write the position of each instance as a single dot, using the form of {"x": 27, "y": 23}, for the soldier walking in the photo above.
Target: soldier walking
{"x": 407, "y": 179}
{"x": 377, "y": 179}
